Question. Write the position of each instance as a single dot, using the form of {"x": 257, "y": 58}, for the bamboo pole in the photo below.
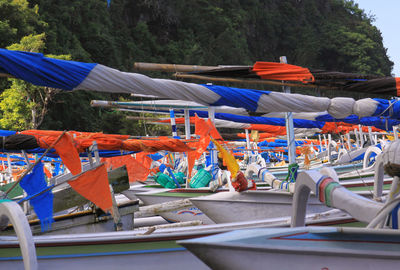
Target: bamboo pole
{"x": 5, "y": 75}
{"x": 246, "y": 81}
{"x": 140, "y": 66}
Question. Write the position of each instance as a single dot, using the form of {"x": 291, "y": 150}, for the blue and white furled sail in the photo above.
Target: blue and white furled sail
{"x": 71, "y": 75}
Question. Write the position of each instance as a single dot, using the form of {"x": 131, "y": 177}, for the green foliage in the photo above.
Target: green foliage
{"x": 17, "y": 20}
{"x": 322, "y": 34}
{"x": 24, "y": 105}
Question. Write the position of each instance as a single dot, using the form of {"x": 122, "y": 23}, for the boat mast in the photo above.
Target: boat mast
{"x": 289, "y": 124}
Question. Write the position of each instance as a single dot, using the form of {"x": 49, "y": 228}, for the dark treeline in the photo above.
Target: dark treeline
{"x": 324, "y": 34}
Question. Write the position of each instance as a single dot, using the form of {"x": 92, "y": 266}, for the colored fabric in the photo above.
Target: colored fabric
{"x": 44, "y": 71}
{"x": 93, "y": 185}
{"x": 292, "y": 173}
{"x": 328, "y": 192}
{"x": 213, "y": 131}
{"x": 236, "y": 97}
{"x": 282, "y": 72}
{"x": 172, "y": 145}
{"x": 228, "y": 158}
{"x": 145, "y": 159}
{"x": 68, "y": 75}
{"x": 18, "y": 142}
{"x": 34, "y": 183}
{"x": 136, "y": 170}
{"x": 398, "y": 85}
{"x": 240, "y": 183}
{"x": 66, "y": 149}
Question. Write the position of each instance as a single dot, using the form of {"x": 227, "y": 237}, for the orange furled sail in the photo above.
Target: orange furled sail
{"x": 282, "y": 72}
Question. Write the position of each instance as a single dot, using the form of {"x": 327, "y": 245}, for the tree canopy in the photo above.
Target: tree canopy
{"x": 323, "y": 34}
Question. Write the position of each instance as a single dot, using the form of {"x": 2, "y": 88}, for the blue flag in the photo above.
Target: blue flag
{"x": 35, "y": 183}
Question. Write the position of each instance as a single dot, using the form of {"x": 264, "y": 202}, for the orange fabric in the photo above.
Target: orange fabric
{"x": 239, "y": 182}
{"x": 201, "y": 127}
{"x": 213, "y": 131}
{"x": 143, "y": 159}
{"x": 66, "y": 149}
{"x": 136, "y": 171}
{"x": 278, "y": 130}
{"x": 47, "y": 172}
{"x": 397, "y": 85}
{"x": 191, "y": 157}
{"x": 93, "y": 185}
{"x": 172, "y": 145}
{"x": 282, "y": 72}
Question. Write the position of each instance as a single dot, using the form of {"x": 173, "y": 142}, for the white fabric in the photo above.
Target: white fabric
{"x": 391, "y": 153}
{"x": 365, "y": 107}
{"x": 219, "y": 123}
{"x": 341, "y": 107}
{"x": 305, "y": 116}
{"x": 105, "y": 79}
{"x": 283, "y": 102}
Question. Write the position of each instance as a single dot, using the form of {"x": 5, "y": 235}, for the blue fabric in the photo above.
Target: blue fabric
{"x": 172, "y": 176}
{"x": 237, "y": 97}
{"x": 155, "y": 156}
{"x": 378, "y": 122}
{"x": 6, "y": 133}
{"x": 297, "y": 123}
{"x": 43, "y": 71}
{"x": 108, "y": 3}
{"x": 395, "y": 217}
{"x": 57, "y": 169}
{"x": 389, "y": 108}
{"x": 34, "y": 183}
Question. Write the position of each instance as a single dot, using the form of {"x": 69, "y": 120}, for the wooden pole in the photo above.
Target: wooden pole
{"x": 140, "y": 66}
{"x": 246, "y": 81}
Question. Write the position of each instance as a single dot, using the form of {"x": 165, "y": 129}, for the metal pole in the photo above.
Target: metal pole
{"x": 173, "y": 123}
{"x": 348, "y": 140}
{"x": 187, "y": 123}
{"x": 371, "y": 139}
{"x": 361, "y": 136}
{"x": 289, "y": 124}
{"x": 213, "y": 153}
{"x": 395, "y": 133}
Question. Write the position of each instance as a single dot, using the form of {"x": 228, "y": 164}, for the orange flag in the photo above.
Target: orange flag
{"x": 93, "y": 185}
{"x": 66, "y": 149}
{"x": 144, "y": 159}
{"x": 202, "y": 129}
{"x": 213, "y": 131}
{"x": 136, "y": 171}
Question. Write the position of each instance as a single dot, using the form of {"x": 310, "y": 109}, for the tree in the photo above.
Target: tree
{"x": 24, "y": 105}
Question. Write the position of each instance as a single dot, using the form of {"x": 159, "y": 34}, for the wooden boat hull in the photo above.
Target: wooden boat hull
{"x": 251, "y": 205}
{"x": 184, "y": 214}
{"x": 301, "y": 248}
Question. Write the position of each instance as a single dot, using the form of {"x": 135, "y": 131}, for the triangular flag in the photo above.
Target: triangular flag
{"x": 213, "y": 131}
{"x": 93, "y": 185}
{"x": 136, "y": 171}
{"x": 34, "y": 183}
{"x": 66, "y": 150}
{"x": 228, "y": 159}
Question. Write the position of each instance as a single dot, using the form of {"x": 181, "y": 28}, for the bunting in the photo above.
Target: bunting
{"x": 34, "y": 183}
{"x": 136, "y": 170}
{"x": 93, "y": 185}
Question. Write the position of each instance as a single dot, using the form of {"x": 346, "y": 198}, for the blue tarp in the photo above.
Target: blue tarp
{"x": 44, "y": 71}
